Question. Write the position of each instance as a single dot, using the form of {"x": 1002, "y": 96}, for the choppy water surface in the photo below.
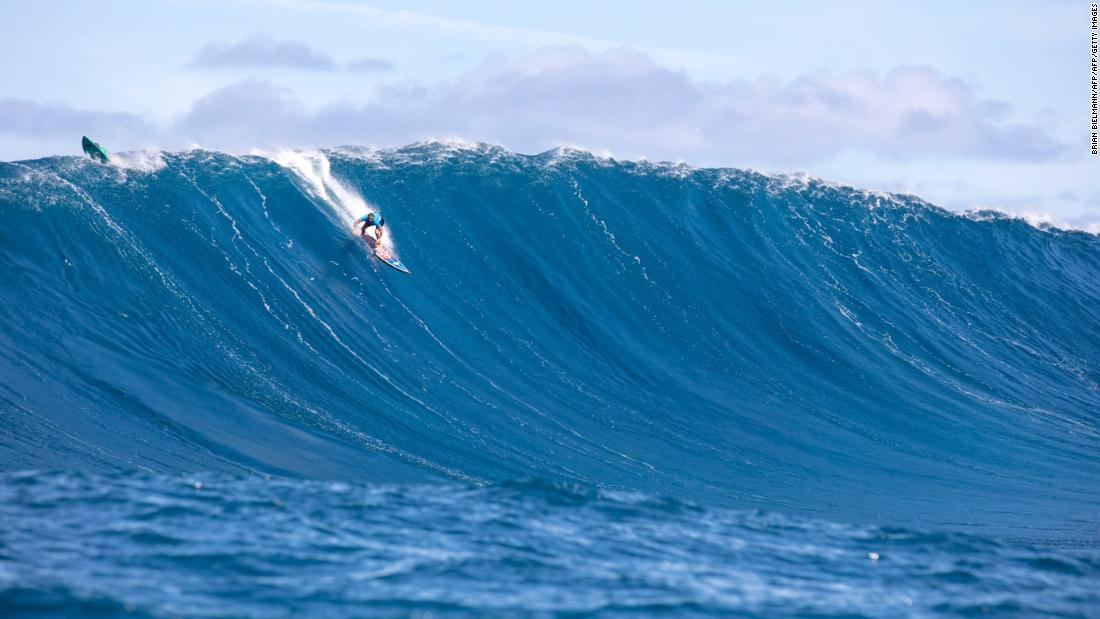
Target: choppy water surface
{"x": 217, "y": 546}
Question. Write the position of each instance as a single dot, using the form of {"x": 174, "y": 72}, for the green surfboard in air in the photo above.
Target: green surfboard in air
{"x": 95, "y": 151}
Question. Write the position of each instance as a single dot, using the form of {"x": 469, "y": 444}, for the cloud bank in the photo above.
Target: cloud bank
{"x": 619, "y": 101}
{"x": 623, "y": 102}
{"x": 29, "y": 119}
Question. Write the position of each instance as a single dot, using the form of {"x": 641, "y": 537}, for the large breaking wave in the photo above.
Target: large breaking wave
{"x": 716, "y": 335}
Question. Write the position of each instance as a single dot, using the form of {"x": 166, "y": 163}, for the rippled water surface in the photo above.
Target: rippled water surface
{"x": 222, "y": 547}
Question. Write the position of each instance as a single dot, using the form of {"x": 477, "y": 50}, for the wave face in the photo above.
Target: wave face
{"x": 728, "y": 340}
{"x": 719, "y": 336}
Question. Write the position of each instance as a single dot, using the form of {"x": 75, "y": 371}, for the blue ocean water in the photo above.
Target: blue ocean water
{"x": 612, "y": 388}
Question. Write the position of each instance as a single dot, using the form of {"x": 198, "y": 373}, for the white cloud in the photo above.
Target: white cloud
{"x": 622, "y": 101}
{"x": 20, "y": 117}
{"x": 369, "y": 65}
{"x": 243, "y": 115}
{"x": 262, "y": 50}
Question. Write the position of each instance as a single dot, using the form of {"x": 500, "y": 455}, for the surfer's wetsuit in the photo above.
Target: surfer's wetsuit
{"x": 368, "y": 221}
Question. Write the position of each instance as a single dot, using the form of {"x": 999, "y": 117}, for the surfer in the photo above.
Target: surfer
{"x": 95, "y": 151}
{"x": 374, "y": 239}
{"x": 369, "y": 222}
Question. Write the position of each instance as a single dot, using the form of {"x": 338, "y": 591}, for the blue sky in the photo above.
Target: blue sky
{"x": 976, "y": 106}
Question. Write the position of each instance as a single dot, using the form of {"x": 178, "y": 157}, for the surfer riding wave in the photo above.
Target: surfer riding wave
{"x": 371, "y": 229}
{"x": 369, "y": 222}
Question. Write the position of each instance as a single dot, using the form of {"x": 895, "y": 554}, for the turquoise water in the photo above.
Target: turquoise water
{"x": 608, "y": 387}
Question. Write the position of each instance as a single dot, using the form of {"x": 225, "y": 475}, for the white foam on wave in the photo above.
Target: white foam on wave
{"x": 875, "y": 198}
{"x": 368, "y": 154}
{"x": 603, "y": 154}
{"x": 1040, "y": 220}
{"x": 140, "y": 160}
{"x": 453, "y": 143}
{"x": 314, "y": 170}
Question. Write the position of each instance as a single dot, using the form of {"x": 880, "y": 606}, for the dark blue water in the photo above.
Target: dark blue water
{"x": 608, "y": 387}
